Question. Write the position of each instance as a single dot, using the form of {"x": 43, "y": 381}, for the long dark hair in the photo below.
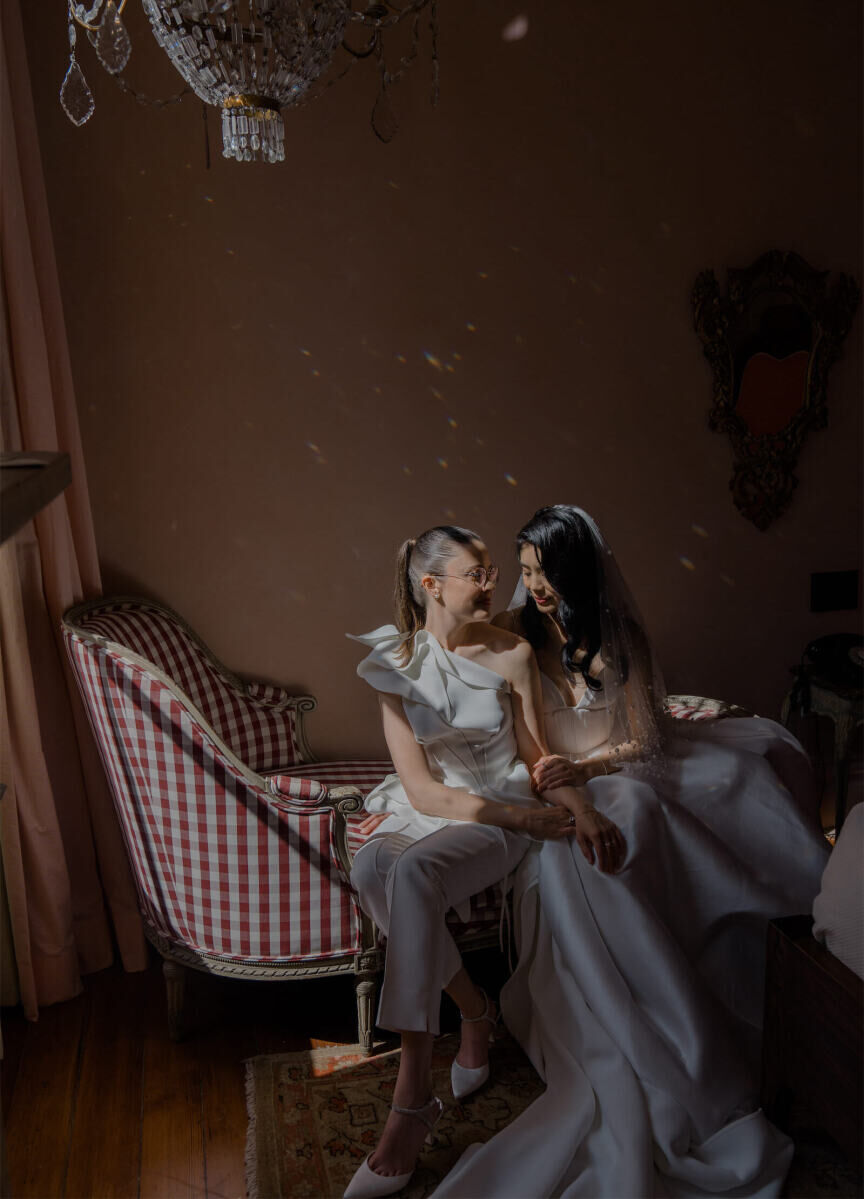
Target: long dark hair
{"x": 567, "y": 551}
{"x": 427, "y": 554}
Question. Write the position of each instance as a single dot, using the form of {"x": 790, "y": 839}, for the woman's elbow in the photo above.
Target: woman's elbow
{"x": 419, "y": 798}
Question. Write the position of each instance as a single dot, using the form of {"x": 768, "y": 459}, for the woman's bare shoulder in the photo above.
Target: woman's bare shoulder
{"x": 507, "y": 650}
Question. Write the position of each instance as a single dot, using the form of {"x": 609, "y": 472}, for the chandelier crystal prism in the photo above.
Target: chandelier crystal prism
{"x": 249, "y": 58}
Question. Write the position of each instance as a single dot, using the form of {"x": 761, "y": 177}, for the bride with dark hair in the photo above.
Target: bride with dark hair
{"x": 637, "y": 995}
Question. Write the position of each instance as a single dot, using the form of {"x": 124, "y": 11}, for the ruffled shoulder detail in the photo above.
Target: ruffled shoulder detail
{"x": 432, "y": 676}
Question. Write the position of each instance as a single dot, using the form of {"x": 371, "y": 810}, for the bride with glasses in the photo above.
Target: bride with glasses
{"x": 461, "y": 708}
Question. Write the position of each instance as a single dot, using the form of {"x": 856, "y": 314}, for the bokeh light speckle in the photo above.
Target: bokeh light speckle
{"x": 516, "y": 29}
{"x": 686, "y": 563}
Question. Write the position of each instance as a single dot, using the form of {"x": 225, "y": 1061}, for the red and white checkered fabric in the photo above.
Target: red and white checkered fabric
{"x": 256, "y": 722}
{"x": 699, "y": 707}
{"x": 223, "y": 865}
{"x": 220, "y": 867}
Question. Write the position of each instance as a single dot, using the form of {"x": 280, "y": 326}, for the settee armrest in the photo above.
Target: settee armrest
{"x": 298, "y": 794}
{"x": 304, "y": 795}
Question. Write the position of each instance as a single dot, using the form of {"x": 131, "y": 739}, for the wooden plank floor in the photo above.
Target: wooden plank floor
{"x": 98, "y": 1102}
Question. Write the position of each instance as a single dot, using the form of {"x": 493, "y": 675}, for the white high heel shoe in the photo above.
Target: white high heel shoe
{"x": 466, "y": 1079}
{"x": 366, "y": 1184}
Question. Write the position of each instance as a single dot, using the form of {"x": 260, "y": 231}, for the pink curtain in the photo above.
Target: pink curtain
{"x": 66, "y": 871}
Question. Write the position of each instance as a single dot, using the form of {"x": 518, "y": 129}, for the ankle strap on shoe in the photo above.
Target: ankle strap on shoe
{"x": 486, "y": 1010}
{"x": 419, "y": 1112}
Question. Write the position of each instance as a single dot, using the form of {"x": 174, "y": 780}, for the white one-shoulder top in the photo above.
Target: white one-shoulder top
{"x": 462, "y": 716}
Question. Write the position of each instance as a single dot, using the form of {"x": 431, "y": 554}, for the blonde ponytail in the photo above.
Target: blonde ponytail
{"x": 427, "y": 554}
{"x": 410, "y": 616}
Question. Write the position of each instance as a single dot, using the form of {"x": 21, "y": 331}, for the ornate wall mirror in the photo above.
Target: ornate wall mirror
{"x": 770, "y": 340}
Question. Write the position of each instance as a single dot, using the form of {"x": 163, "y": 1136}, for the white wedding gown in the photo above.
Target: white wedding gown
{"x": 636, "y": 994}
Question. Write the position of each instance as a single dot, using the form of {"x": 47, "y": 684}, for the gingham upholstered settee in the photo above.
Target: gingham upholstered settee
{"x": 239, "y": 841}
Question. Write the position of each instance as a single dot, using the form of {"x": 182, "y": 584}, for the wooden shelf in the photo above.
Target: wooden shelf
{"x": 28, "y": 482}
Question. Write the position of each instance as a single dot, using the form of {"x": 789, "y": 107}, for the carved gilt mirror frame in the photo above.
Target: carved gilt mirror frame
{"x": 770, "y": 340}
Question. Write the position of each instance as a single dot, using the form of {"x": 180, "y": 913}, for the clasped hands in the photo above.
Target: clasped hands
{"x": 600, "y": 840}
{"x": 553, "y": 770}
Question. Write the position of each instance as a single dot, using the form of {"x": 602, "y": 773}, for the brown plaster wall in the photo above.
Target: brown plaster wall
{"x": 560, "y": 200}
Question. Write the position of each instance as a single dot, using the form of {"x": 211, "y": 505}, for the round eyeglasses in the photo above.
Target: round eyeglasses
{"x": 480, "y": 576}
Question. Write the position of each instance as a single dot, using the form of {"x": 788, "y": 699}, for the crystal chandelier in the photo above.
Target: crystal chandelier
{"x": 249, "y": 58}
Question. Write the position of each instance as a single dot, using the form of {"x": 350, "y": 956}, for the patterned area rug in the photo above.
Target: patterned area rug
{"x": 314, "y": 1116}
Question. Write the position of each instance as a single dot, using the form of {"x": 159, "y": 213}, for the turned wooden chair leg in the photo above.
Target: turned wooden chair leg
{"x": 177, "y": 992}
{"x": 366, "y": 986}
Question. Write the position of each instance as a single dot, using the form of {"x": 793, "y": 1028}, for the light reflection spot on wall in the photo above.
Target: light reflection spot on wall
{"x": 686, "y": 563}
{"x": 511, "y": 480}
{"x": 432, "y": 359}
{"x": 516, "y": 29}
{"x": 306, "y": 353}
{"x": 229, "y": 252}
{"x": 699, "y": 530}
{"x": 406, "y": 470}
{"x": 436, "y": 393}
{"x": 401, "y": 358}
{"x": 442, "y": 462}
{"x": 91, "y": 407}
{"x": 316, "y": 374}
{"x": 173, "y": 526}
{"x": 726, "y": 579}
{"x": 449, "y": 513}
{"x": 392, "y": 183}
{"x": 209, "y": 199}
{"x": 470, "y": 326}
{"x": 377, "y": 390}
{"x": 665, "y": 228}
{"x": 454, "y": 424}
{"x": 450, "y": 368}
{"x": 482, "y": 275}
{"x": 458, "y": 357}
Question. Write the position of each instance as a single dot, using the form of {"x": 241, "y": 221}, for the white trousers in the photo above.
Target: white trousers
{"x": 407, "y": 886}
